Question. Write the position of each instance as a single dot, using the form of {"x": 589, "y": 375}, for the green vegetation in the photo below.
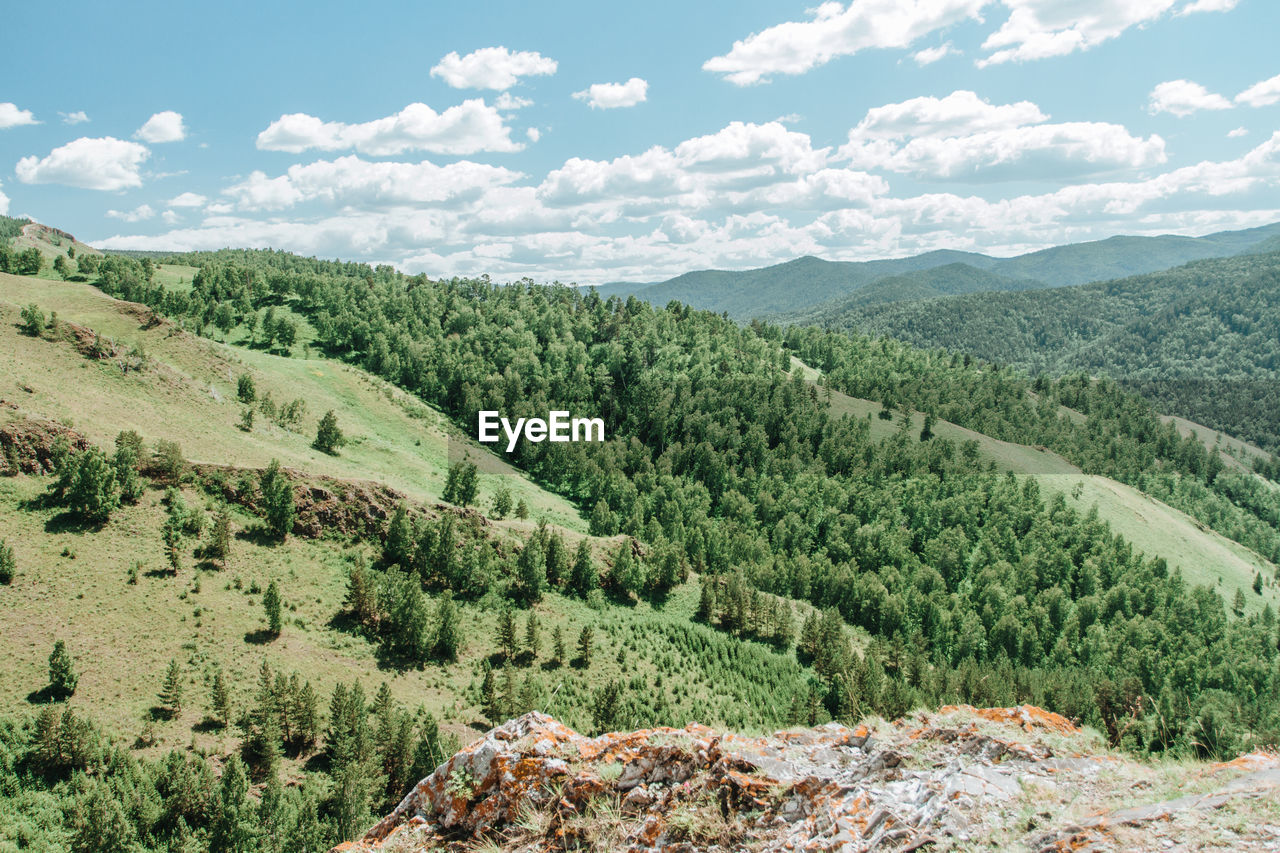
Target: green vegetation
{"x": 764, "y": 549}
{"x": 1201, "y": 341}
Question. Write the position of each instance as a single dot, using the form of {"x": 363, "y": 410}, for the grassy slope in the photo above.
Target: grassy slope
{"x": 188, "y": 396}
{"x": 1152, "y": 527}
{"x": 72, "y": 583}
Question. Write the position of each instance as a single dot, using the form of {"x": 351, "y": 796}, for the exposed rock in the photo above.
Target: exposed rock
{"x": 963, "y": 778}
{"x": 27, "y": 444}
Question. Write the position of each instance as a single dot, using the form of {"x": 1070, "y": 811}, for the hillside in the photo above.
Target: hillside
{"x": 1201, "y": 341}
{"x": 780, "y": 527}
{"x": 804, "y": 286}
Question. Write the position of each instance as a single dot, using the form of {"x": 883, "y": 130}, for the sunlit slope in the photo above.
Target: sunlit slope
{"x": 1153, "y": 527}
{"x": 187, "y": 394}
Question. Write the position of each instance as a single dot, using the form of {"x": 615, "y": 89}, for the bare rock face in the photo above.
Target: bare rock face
{"x": 961, "y": 778}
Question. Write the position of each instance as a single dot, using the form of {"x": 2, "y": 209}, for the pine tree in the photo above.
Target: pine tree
{"x": 448, "y": 628}
{"x": 461, "y": 483}
{"x": 507, "y": 633}
{"x": 362, "y": 598}
{"x": 522, "y": 509}
{"x": 125, "y": 463}
{"x": 246, "y": 392}
{"x": 328, "y": 436}
{"x": 557, "y": 646}
{"x": 606, "y": 706}
{"x": 397, "y": 549}
{"x": 171, "y": 691}
{"x": 92, "y": 492}
{"x": 1257, "y": 583}
{"x": 277, "y": 499}
{"x": 583, "y": 576}
{"x": 1237, "y": 603}
{"x": 584, "y": 646}
{"x": 531, "y": 572}
{"x": 219, "y": 547}
{"x": 490, "y": 702}
{"x": 603, "y": 522}
{"x": 232, "y": 830}
{"x": 501, "y": 502}
{"x": 271, "y": 604}
{"x": 8, "y": 564}
{"x": 532, "y": 636}
{"x": 62, "y": 674}
{"x": 220, "y": 700}
{"x": 706, "y": 612}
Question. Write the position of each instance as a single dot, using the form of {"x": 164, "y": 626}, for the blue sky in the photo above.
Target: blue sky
{"x": 594, "y": 142}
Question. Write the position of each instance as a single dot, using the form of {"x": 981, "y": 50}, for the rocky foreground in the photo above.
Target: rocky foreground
{"x": 960, "y": 779}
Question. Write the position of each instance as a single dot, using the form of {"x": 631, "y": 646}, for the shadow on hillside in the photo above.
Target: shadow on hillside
{"x": 45, "y": 696}
{"x": 207, "y": 726}
{"x": 260, "y": 637}
{"x": 69, "y": 522}
{"x": 257, "y": 534}
{"x": 158, "y": 714}
{"x": 345, "y": 622}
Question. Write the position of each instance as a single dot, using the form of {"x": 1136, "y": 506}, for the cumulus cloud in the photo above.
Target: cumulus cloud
{"x": 4, "y": 203}
{"x": 930, "y": 55}
{"x": 164, "y": 126}
{"x": 138, "y": 214}
{"x": 1237, "y": 133}
{"x": 1261, "y": 94}
{"x": 963, "y": 136}
{"x": 533, "y": 133}
{"x": 104, "y": 163}
{"x": 491, "y": 68}
{"x": 795, "y": 47}
{"x": 961, "y": 112}
{"x": 355, "y": 182}
{"x": 465, "y": 128}
{"x": 77, "y": 117}
{"x": 607, "y": 96}
{"x": 171, "y": 217}
{"x": 1183, "y": 97}
{"x": 187, "y": 199}
{"x": 11, "y": 116}
{"x": 1037, "y": 29}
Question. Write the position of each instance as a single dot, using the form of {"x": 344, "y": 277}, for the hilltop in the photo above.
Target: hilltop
{"x": 807, "y": 285}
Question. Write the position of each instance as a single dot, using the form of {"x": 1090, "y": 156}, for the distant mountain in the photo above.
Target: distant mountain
{"x": 805, "y": 283}
{"x": 1201, "y": 340}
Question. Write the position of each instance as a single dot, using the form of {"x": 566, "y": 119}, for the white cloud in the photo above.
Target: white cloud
{"x": 607, "y": 96}
{"x": 795, "y": 47}
{"x": 104, "y": 163}
{"x": 508, "y": 101}
{"x": 965, "y": 137}
{"x": 11, "y": 116}
{"x": 1037, "y": 29}
{"x": 1183, "y": 97}
{"x": 465, "y": 128}
{"x": 1043, "y": 151}
{"x": 164, "y": 126}
{"x": 187, "y": 200}
{"x": 1208, "y": 6}
{"x": 355, "y": 182}
{"x": 961, "y": 112}
{"x": 1237, "y": 133}
{"x": 4, "y": 203}
{"x": 930, "y": 55}
{"x": 491, "y": 68}
{"x": 171, "y": 217}
{"x": 533, "y": 133}
{"x": 1262, "y": 94}
{"x": 77, "y": 117}
{"x": 138, "y": 214}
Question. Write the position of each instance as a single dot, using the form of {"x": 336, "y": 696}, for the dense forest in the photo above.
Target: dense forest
{"x": 971, "y": 585}
{"x": 1201, "y": 341}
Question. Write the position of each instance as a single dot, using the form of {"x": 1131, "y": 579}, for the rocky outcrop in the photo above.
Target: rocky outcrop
{"x": 961, "y": 778}
{"x": 27, "y": 444}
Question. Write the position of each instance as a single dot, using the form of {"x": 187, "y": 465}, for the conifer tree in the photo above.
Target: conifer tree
{"x": 507, "y": 633}
{"x": 328, "y": 436}
{"x": 501, "y": 502}
{"x": 557, "y": 646}
{"x": 532, "y": 636}
{"x": 219, "y": 547}
{"x": 583, "y": 577}
{"x": 92, "y": 492}
{"x": 246, "y": 392}
{"x": 232, "y": 830}
{"x": 531, "y": 572}
{"x": 171, "y": 691}
{"x": 397, "y": 549}
{"x": 490, "y": 701}
{"x": 584, "y": 646}
{"x": 277, "y": 499}
{"x": 8, "y": 564}
{"x": 271, "y": 604}
{"x": 220, "y": 700}
{"x": 522, "y": 510}
{"x": 362, "y": 597}
{"x": 62, "y": 674}
{"x": 448, "y": 640}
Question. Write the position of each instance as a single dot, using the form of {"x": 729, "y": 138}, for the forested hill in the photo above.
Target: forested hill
{"x": 1201, "y": 341}
{"x": 808, "y": 282}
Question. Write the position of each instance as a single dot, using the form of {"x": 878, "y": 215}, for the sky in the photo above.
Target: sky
{"x": 593, "y": 142}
